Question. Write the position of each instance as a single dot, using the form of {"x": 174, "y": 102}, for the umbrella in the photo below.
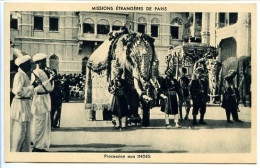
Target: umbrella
{"x": 98, "y": 59}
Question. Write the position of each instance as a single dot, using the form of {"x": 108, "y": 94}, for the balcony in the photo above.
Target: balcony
{"x": 93, "y": 37}
{"x": 227, "y": 31}
{"x": 175, "y": 42}
{"x": 192, "y": 33}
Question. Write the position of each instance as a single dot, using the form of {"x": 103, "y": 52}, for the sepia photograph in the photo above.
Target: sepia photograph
{"x": 136, "y": 83}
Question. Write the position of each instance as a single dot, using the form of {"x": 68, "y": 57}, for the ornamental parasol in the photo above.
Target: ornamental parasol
{"x": 98, "y": 59}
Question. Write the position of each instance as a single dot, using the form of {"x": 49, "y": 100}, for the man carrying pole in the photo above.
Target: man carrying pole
{"x": 41, "y": 105}
{"x": 185, "y": 95}
{"x": 198, "y": 91}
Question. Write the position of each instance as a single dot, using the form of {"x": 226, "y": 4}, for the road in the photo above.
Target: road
{"x": 77, "y": 134}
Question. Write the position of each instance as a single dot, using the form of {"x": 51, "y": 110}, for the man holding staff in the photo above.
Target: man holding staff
{"x": 198, "y": 91}
{"x": 41, "y": 105}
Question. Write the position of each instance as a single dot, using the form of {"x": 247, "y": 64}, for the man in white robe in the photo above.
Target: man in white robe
{"x": 41, "y": 105}
{"x": 21, "y": 106}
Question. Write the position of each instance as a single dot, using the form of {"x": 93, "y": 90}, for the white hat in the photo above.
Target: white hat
{"x": 22, "y": 59}
{"x": 39, "y": 56}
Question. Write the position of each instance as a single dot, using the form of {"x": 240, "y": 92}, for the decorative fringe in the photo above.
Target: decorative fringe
{"x": 129, "y": 40}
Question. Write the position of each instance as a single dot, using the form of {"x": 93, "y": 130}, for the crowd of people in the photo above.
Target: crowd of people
{"x": 173, "y": 94}
{"x": 73, "y": 86}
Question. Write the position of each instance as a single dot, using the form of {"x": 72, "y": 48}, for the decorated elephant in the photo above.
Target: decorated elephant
{"x": 213, "y": 69}
{"x": 245, "y": 82}
{"x": 194, "y": 55}
{"x": 217, "y": 71}
{"x": 135, "y": 54}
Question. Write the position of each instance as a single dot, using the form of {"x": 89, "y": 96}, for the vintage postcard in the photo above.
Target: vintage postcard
{"x": 130, "y": 82}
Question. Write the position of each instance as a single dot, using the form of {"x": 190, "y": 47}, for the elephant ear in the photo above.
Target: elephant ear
{"x": 98, "y": 60}
{"x": 229, "y": 64}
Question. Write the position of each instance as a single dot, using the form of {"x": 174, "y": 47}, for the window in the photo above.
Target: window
{"x": 175, "y": 32}
{"x": 88, "y": 28}
{"x": 103, "y": 27}
{"x": 221, "y": 19}
{"x": 13, "y": 23}
{"x": 177, "y": 21}
{"x": 155, "y": 27}
{"x": 54, "y": 24}
{"x": 198, "y": 18}
{"x": 141, "y": 28}
{"x": 116, "y": 27}
{"x": 38, "y": 23}
{"x": 154, "y": 30}
{"x": 232, "y": 18}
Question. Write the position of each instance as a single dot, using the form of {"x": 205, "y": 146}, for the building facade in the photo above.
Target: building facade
{"x": 233, "y": 34}
{"x": 69, "y": 38}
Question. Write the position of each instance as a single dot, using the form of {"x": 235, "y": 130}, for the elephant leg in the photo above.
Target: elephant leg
{"x": 146, "y": 115}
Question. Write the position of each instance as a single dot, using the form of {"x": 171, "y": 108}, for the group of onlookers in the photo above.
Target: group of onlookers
{"x": 73, "y": 86}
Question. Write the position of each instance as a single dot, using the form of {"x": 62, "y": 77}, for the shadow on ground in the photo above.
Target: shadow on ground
{"x": 107, "y": 148}
{"x": 159, "y": 124}
{"x": 211, "y": 124}
{"x": 97, "y": 145}
{"x": 93, "y": 129}
{"x": 121, "y": 151}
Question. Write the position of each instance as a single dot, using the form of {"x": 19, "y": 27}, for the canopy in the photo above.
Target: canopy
{"x": 98, "y": 59}
{"x": 193, "y": 51}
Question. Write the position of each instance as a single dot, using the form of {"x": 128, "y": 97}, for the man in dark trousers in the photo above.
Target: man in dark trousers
{"x": 170, "y": 90}
{"x": 66, "y": 89}
{"x": 231, "y": 98}
{"x": 185, "y": 95}
{"x": 118, "y": 87}
{"x": 198, "y": 91}
{"x": 56, "y": 102}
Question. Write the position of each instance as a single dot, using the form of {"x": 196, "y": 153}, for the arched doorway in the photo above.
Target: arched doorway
{"x": 54, "y": 62}
{"x": 228, "y": 48}
{"x": 84, "y": 63}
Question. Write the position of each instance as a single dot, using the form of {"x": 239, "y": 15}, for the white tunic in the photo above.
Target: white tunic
{"x": 21, "y": 112}
{"x": 21, "y": 108}
{"x": 41, "y": 107}
{"x": 41, "y": 103}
